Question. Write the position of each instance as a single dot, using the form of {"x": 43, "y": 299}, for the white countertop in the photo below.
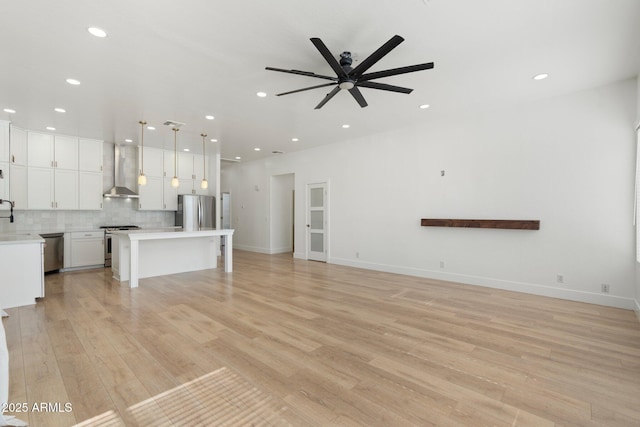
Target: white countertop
{"x": 8, "y": 239}
{"x": 171, "y": 232}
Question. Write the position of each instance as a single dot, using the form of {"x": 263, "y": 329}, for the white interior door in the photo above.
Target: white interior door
{"x": 317, "y": 222}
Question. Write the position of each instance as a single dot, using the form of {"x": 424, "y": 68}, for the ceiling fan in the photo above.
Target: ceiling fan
{"x": 352, "y": 79}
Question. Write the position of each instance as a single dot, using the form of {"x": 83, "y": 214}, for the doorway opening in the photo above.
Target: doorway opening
{"x": 282, "y": 214}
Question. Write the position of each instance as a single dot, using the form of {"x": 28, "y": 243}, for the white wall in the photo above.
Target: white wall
{"x": 568, "y": 162}
{"x": 281, "y": 214}
{"x": 637, "y": 295}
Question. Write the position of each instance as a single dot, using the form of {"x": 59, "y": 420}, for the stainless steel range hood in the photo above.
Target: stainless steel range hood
{"x": 124, "y": 172}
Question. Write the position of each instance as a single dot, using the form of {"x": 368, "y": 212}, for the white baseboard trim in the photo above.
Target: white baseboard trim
{"x": 637, "y": 309}
{"x": 281, "y": 250}
{"x": 262, "y": 250}
{"x": 489, "y": 282}
{"x": 251, "y": 249}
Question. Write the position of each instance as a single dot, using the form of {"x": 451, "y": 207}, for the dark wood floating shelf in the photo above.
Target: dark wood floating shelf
{"x": 482, "y": 223}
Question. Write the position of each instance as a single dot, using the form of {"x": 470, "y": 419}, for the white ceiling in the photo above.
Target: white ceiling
{"x": 170, "y": 60}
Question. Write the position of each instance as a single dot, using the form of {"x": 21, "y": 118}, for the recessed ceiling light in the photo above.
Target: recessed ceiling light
{"x": 151, "y": 128}
{"x": 128, "y": 140}
{"x": 346, "y": 126}
{"x": 213, "y": 140}
{"x": 261, "y": 94}
{"x": 238, "y": 157}
{"x": 98, "y": 32}
{"x": 59, "y": 110}
{"x": 540, "y": 76}
{"x": 424, "y": 106}
{"x": 50, "y": 128}
{"x": 9, "y": 110}
{"x": 295, "y": 139}
{"x": 209, "y": 117}
{"x": 256, "y": 149}
{"x": 73, "y": 82}
{"x": 186, "y": 149}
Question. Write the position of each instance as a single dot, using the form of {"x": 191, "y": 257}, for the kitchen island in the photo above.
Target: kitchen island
{"x": 21, "y": 269}
{"x": 144, "y": 253}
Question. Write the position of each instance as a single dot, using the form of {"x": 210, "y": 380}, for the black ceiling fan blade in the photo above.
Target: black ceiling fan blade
{"x": 328, "y": 97}
{"x": 306, "y": 88}
{"x": 395, "y": 71}
{"x": 384, "y": 86}
{"x": 302, "y": 73}
{"x": 326, "y": 54}
{"x": 376, "y": 56}
{"x": 357, "y": 95}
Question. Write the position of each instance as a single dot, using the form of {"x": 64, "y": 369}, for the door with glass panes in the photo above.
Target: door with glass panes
{"x": 317, "y": 222}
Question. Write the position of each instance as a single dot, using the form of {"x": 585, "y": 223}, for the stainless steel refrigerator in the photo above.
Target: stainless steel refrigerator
{"x": 195, "y": 212}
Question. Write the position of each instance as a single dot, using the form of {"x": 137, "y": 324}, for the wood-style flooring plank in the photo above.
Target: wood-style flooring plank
{"x": 284, "y": 342}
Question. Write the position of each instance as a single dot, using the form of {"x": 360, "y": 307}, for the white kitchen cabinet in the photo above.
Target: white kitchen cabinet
{"x": 170, "y": 196}
{"x": 185, "y": 166}
{"x": 186, "y": 186}
{"x": 191, "y": 186}
{"x": 87, "y": 248}
{"x": 18, "y": 186}
{"x": 153, "y": 161}
{"x": 168, "y": 164}
{"x": 191, "y": 170}
{"x": 52, "y": 189}
{"x": 4, "y": 185}
{"x": 4, "y": 142}
{"x": 45, "y": 150}
{"x": 66, "y": 259}
{"x": 151, "y": 195}
{"x": 89, "y": 190}
{"x": 66, "y": 189}
{"x": 21, "y": 263}
{"x": 158, "y": 195}
{"x": 90, "y": 155}
{"x": 18, "y": 146}
{"x": 40, "y": 188}
{"x": 40, "y": 150}
{"x": 66, "y": 152}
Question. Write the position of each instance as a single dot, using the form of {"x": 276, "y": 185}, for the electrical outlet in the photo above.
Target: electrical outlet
{"x": 441, "y": 264}
{"x": 560, "y": 278}
{"x": 604, "y": 288}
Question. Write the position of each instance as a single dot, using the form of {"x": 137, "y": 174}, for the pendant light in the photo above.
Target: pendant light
{"x": 142, "y": 179}
{"x": 204, "y": 184}
{"x": 174, "y": 181}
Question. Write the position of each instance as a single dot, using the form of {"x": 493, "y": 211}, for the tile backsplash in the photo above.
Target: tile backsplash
{"x": 114, "y": 212}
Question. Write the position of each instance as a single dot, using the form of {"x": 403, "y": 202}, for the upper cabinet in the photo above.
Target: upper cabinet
{"x": 48, "y": 151}
{"x": 185, "y": 166}
{"x": 18, "y": 146}
{"x": 169, "y": 164}
{"x": 153, "y": 161}
{"x": 4, "y": 184}
{"x": 89, "y": 155}
{"x": 4, "y": 141}
{"x": 40, "y": 150}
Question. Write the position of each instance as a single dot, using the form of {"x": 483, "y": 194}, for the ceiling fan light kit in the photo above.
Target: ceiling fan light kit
{"x": 351, "y": 79}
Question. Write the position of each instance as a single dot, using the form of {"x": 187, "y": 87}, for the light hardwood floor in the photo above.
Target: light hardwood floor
{"x": 290, "y": 342}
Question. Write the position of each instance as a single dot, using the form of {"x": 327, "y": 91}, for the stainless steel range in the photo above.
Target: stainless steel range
{"x": 107, "y": 239}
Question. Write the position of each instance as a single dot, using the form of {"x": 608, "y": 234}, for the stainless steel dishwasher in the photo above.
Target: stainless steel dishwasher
{"x": 53, "y": 251}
